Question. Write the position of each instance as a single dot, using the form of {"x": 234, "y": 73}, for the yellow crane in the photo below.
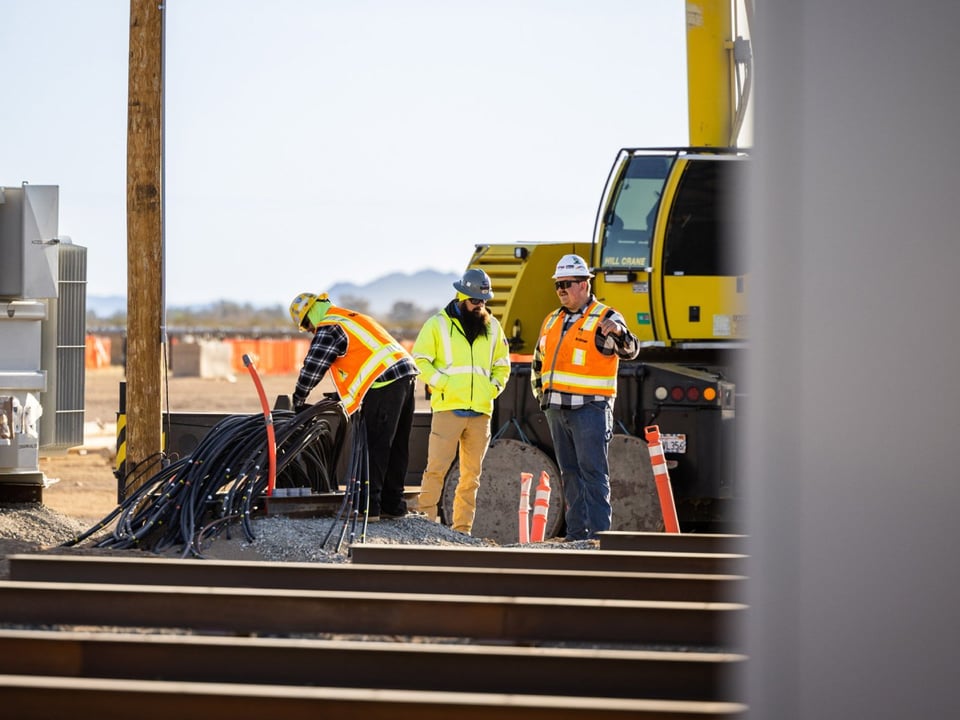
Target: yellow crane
{"x": 665, "y": 253}
{"x": 664, "y": 243}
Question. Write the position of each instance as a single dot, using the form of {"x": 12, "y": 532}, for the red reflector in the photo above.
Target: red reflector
{"x": 693, "y": 393}
{"x": 676, "y": 393}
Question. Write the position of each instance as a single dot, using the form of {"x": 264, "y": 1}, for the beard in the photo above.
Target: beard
{"x": 476, "y": 321}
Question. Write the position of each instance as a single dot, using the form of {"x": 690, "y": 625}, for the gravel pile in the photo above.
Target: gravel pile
{"x": 35, "y": 527}
{"x": 32, "y": 527}
{"x": 299, "y": 540}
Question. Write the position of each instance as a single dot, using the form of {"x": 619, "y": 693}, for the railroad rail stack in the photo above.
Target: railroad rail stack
{"x": 532, "y": 632}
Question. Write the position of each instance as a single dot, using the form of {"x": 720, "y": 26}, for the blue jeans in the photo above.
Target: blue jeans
{"x": 581, "y": 439}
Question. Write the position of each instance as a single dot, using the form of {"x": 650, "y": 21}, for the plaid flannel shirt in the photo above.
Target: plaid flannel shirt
{"x": 329, "y": 343}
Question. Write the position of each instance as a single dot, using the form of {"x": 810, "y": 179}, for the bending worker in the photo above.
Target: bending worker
{"x": 574, "y": 378}
{"x": 464, "y": 359}
{"x": 374, "y": 374}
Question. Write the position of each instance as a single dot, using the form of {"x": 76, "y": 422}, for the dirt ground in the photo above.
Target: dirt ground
{"x": 82, "y": 481}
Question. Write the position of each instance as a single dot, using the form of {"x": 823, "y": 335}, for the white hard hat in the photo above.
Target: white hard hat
{"x": 572, "y": 266}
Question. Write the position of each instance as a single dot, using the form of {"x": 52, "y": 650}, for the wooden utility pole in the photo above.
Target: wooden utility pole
{"x": 144, "y": 239}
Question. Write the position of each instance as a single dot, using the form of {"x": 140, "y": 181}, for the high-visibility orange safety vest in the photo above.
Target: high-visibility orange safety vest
{"x": 571, "y": 361}
{"x": 370, "y": 351}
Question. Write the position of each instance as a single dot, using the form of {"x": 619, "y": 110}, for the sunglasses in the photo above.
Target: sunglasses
{"x": 564, "y": 284}
{"x": 476, "y": 302}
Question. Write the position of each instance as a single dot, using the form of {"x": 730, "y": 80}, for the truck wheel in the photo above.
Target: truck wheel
{"x": 498, "y": 499}
{"x": 633, "y": 491}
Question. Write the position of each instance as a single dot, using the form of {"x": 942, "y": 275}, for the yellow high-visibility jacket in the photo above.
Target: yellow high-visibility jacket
{"x": 461, "y": 376}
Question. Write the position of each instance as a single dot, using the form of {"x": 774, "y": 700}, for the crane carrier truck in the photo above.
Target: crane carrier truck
{"x": 665, "y": 253}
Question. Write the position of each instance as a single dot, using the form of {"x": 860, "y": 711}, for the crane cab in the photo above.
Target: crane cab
{"x": 665, "y": 246}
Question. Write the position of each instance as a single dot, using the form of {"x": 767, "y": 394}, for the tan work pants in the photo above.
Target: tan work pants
{"x": 447, "y": 431}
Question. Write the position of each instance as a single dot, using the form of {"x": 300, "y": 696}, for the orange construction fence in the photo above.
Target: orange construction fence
{"x": 96, "y": 352}
{"x": 273, "y": 356}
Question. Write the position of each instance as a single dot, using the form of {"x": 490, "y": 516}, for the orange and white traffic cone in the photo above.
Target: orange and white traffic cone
{"x": 541, "y": 504}
{"x": 662, "y": 477}
{"x": 526, "y": 480}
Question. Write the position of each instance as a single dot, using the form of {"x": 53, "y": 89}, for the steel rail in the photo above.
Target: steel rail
{"x": 257, "y": 610}
{"x": 550, "y": 559}
{"x": 34, "y": 697}
{"x": 315, "y": 505}
{"x": 672, "y": 542}
{"x": 690, "y": 587}
{"x": 399, "y": 666}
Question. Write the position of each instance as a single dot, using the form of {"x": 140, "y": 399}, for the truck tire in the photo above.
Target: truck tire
{"x": 498, "y": 499}
{"x": 633, "y": 491}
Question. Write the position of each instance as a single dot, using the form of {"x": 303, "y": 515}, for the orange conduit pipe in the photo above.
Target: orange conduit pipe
{"x": 268, "y": 419}
{"x": 662, "y": 477}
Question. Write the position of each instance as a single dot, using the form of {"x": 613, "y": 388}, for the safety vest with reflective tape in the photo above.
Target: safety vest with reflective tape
{"x": 462, "y": 376}
{"x": 370, "y": 351}
{"x": 571, "y": 361}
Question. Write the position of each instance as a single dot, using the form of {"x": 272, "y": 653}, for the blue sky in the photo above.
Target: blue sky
{"x": 310, "y": 142}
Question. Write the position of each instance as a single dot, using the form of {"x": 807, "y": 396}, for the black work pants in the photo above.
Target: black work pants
{"x": 387, "y": 413}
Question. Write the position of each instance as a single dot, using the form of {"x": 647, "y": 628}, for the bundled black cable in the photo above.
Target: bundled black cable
{"x": 354, "y": 510}
{"x": 221, "y": 481}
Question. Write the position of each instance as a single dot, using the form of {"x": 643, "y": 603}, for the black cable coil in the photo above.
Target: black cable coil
{"x": 220, "y": 483}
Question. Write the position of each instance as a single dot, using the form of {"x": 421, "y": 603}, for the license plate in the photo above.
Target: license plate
{"x": 674, "y": 443}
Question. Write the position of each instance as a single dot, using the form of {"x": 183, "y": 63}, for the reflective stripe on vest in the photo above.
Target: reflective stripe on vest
{"x": 370, "y": 351}
{"x": 461, "y": 375}
{"x": 446, "y": 349}
{"x": 572, "y": 363}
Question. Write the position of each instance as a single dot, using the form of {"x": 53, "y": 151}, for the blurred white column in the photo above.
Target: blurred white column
{"x": 852, "y": 470}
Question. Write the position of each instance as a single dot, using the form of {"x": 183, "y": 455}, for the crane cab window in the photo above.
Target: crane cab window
{"x": 628, "y": 224}
{"x": 701, "y": 234}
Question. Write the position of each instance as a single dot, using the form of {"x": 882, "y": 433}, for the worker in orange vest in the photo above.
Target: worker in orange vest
{"x": 574, "y": 378}
{"x": 374, "y": 375}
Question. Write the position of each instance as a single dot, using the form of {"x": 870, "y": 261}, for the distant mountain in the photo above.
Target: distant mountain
{"x": 426, "y": 289}
{"x": 105, "y": 306}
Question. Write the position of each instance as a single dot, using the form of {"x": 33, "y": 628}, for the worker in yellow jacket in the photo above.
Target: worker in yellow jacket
{"x": 464, "y": 359}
